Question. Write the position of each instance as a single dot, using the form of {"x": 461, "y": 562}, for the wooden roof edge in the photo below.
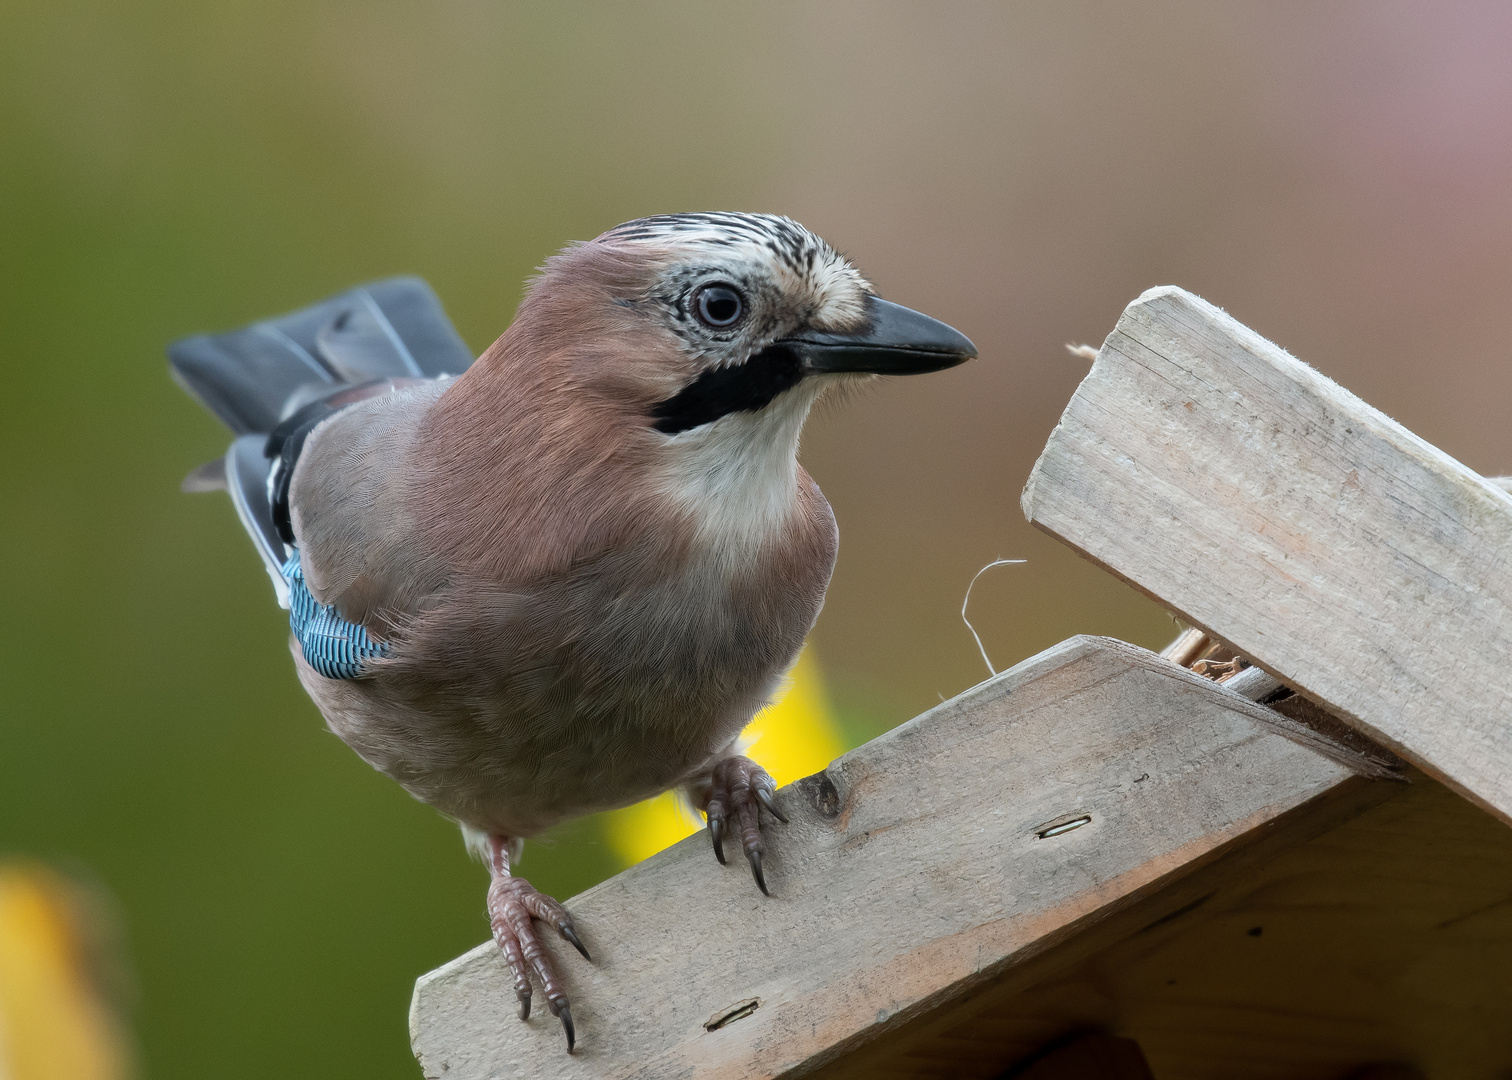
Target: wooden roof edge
{"x": 1267, "y": 505}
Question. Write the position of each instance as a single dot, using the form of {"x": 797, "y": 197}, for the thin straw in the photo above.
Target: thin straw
{"x": 980, "y": 647}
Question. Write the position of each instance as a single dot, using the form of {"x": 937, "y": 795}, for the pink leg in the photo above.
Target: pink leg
{"x": 512, "y": 903}
{"x": 738, "y": 789}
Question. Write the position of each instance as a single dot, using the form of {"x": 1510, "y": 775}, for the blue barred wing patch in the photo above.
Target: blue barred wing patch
{"x": 332, "y": 646}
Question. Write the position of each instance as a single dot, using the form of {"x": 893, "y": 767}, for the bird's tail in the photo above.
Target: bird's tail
{"x": 256, "y": 376}
{"x": 259, "y": 377}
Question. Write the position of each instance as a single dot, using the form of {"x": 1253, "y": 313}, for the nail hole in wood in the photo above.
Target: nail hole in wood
{"x": 738, "y": 1011}
{"x": 1060, "y": 828}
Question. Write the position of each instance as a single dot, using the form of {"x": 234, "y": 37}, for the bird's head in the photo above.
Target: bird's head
{"x": 696, "y": 344}
{"x": 729, "y": 314}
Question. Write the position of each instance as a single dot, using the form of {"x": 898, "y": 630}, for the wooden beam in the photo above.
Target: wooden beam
{"x": 1282, "y": 514}
{"x": 1089, "y": 1057}
{"x": 915, "y": 870}
{"x": 1371, "y": 927}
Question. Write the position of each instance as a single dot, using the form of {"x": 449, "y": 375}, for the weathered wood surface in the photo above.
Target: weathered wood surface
{"x": 1282, "y": 514}
{"x": 1379, "y": 932}
{"x": 912, "y": 873}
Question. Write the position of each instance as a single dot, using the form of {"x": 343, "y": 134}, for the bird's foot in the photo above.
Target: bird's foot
{"x": 512, "y": 905}
{"x": 738, "y": 789}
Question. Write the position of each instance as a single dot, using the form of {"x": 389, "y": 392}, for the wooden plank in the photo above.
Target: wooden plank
{"x": 1090, "y": 1057}
{"x": 1383, "y": 939}
{"x": 1280, "y": 513}
{"x": 913, "y": 872}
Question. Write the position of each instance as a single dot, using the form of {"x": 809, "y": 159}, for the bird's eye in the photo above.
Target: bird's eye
{"x": 719, "y": 306}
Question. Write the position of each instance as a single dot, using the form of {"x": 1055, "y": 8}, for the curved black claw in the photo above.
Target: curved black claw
{"x": 716, "y": 833}
{"x": 572, "y": 939}
{"x": 755, "y": 857}
{"x": 564, "y": 1014}
{"x": 524, "y": 1005}
{"x": 770, "y": 803}
{"x": 739, "y": 789}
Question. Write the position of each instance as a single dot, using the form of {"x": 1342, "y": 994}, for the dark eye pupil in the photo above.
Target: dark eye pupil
{"x": 719, "y": 305}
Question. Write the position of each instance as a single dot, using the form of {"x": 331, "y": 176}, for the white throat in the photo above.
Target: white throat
{"x": 738, "y": 476}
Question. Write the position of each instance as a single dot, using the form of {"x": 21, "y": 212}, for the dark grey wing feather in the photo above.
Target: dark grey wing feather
{"x": 247, "y": 469}
{"x": 249, "y": 377}
{"x": 418, "y": 320}
{"x": 244, "y": 377}
{"x": 211, "y": 476}
{"x": 361, "y": 345}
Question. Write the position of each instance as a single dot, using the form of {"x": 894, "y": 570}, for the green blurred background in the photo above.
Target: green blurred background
{"x": 1336, "y": 175}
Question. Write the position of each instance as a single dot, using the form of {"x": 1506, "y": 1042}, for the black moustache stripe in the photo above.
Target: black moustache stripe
{"x": 739, "y": 388}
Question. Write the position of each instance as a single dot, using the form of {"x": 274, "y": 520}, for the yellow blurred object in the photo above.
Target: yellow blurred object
{"x": 54, "y": 1021}
{"x": 793, "y": 737}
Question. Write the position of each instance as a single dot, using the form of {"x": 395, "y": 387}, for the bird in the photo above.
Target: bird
{"x": 562, "y": 577}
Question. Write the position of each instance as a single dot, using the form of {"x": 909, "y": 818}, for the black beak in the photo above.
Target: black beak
{"x": 895, "y": 341}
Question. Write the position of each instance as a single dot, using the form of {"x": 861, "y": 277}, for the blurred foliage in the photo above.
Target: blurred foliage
{"x": 59, "y": 980}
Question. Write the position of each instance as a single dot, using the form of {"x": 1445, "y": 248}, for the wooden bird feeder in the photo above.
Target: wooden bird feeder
{"x": 1278, "y": 850}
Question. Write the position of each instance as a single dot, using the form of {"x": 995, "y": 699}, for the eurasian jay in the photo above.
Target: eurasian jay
{"x": 563, "y": 578}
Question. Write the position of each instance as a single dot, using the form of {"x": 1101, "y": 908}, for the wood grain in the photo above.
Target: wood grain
{"x": 1383, "y": 939}
{"x": 912, "y": 875}
{"x": 1283, "y": 515}
{"x": 1090, "y": 1057}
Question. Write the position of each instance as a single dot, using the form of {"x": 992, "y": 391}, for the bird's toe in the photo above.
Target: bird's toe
{"x": 513, "y": 906}
{"x": 739, "y": 789}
